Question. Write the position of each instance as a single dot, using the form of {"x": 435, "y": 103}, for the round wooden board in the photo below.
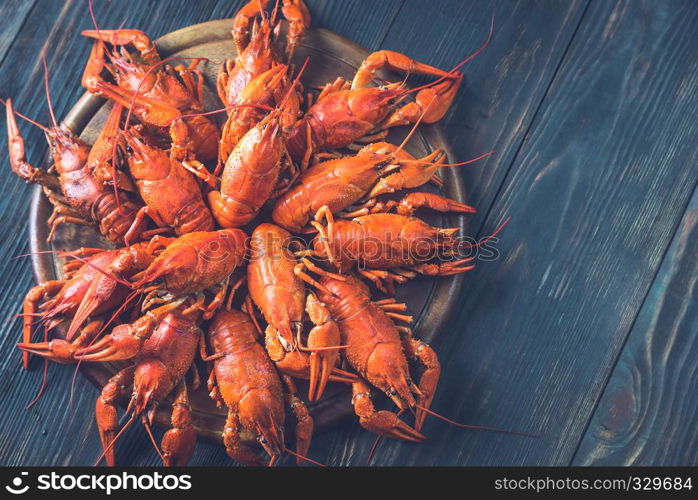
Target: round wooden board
{"x": 430, "y": 300}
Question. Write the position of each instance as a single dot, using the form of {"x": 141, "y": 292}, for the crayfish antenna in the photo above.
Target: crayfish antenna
{"x": 123, "y": 23}
{"x": 77, "y": 257}
{"x": 234, "y": 106}
{"x": 116, "y": 141}
{"x": 8, "y": 102}
{"x": 275, "y": 12}
{"x": 262, "y": 11}
{"x": 99, "y": 33}
{"x": 459, "y": 164}
{"x": 475, "y": 427}
{"x": 116, "y": 313}
{"x": 466, "y": 246}
{"x": 130, "y": 113}
{"x": 372, "y": 452}
{"x": 44, "y": 379}
{"x": 103, "y": 271}
{"x": 304, "y": 458}
{"x": 152, "y": 439}
{"x": 108, "y": 449}
{"x": 294, "y": 83}
{"x": 460, "y": 64}
{"x": 48, "y": 91}
{"x": 94, "y": 19}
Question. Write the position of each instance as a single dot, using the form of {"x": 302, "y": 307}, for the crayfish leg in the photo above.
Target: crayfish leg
{"x": 217, "y": 301}
{"x": 18, "y": 159}
{"x": 411, "y": 202}
{"x": 304, "y": 422}
{"x": 179, "y": 442}
{"x": 222, "y": 79}
{"x": 324, "y": 334}
{"x": 425, "y": 355}
{"x": 214, "y": 392}
{"x": 243, "y": 20}
{"x": 106, "y": 412}
{"x": 447, "y": 268}
{"x": 32, "y": 301}
{"x": 381, "y": 279}
{"x": 62, "y": 219}
{"x": 298, "y": 17}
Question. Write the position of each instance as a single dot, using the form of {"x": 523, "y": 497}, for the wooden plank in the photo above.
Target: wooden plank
{"x": 504, "y": 86}
{"x": 596, "y": 192}
{"x": 13, "y": 13}
{"x": 648, "y": 412}
{"x": 366, "y": 23}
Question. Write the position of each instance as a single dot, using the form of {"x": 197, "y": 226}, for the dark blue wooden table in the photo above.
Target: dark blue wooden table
{"x": 584, "y": 331}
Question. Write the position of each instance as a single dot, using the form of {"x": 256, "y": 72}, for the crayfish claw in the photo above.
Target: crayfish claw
{"x": 386, "y": 423}
{"x": 57, "y": 350}
{"x": 120, "y": 344}
{"x": 383, "y": 422}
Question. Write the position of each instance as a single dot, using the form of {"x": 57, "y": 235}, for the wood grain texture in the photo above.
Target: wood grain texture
{"x": 595, "y": 194}
{"x": 504, "y": 84}
{"x": 366, "y": 23}
{"x": 648, "y": 411}
{"x": 503, "y": 90}
{"x": 13, "y": 13}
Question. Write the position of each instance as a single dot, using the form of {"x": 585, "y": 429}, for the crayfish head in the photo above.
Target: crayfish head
{"x": 144, "y": 160}
{"x": 373, "y": 104}
{"x": 69, "y": 151}
{"x": 135, "y": 145}
{"x": 261, "y": 52}
{"x": 263, "y": 412}
{"x": 170, "y": 271}
{"x": 130, "y": 74}
{"x": 388, "y": 370}
{"x": 151, "y": 383}
{"x": 271, "y": 126}
{"x": 272, "y": 439}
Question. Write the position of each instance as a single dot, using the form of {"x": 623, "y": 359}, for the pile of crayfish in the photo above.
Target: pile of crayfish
{"x": 251, "y": 255}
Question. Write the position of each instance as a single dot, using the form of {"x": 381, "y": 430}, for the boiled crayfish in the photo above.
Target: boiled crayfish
{"x": 164, "y": 302}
